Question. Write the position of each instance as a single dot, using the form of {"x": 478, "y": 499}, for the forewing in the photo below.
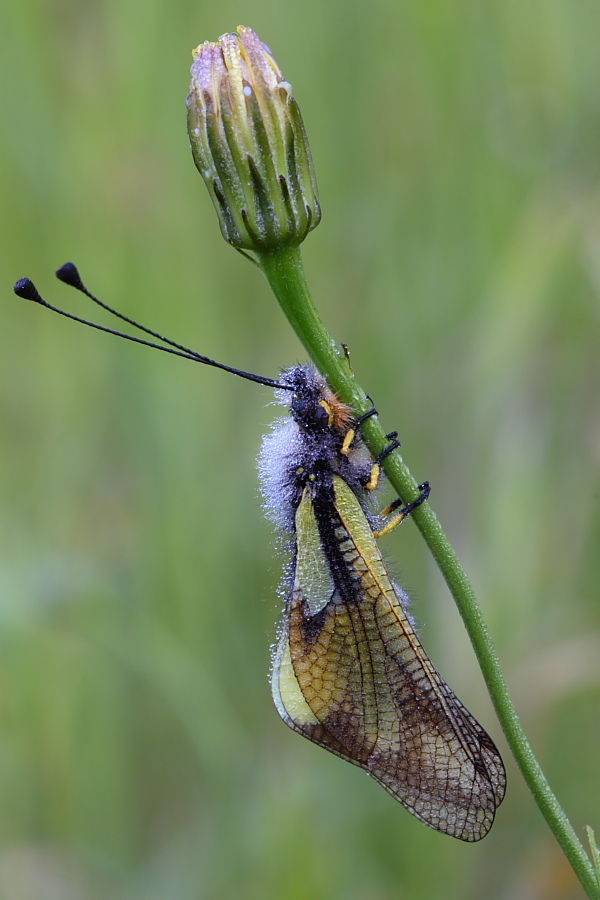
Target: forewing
{"x": 352, "y": 676}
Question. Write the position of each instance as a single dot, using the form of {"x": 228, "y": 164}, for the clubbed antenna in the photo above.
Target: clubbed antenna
{"x": 69, "y": 274}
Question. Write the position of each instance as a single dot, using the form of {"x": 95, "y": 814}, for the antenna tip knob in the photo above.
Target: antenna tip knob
{"x": 69, "y": 274}
{"x": 25, "y": 288}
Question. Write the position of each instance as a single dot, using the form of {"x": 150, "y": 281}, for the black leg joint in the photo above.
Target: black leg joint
{"x": 393, "y": 445}
{"x": 365, "y": 416}
{"x": 425, "y": 490}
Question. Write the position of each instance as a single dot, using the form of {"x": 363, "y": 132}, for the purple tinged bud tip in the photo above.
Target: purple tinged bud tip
{"x": 249, "y": 144}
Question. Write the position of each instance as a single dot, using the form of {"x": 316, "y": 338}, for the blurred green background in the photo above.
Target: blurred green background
{"x": 456, "y": 147}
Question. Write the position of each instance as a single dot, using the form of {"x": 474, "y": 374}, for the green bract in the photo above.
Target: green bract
{"x": 249, "y": 144}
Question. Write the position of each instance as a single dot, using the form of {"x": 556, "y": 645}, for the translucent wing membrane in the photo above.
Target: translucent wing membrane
{"x": 351, "y": 675}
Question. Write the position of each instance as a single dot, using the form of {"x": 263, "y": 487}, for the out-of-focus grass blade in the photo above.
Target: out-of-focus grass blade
{"x": 594, "y": 851}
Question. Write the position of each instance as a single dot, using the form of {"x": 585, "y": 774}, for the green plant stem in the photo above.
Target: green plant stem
{"x": 285, "y": 274}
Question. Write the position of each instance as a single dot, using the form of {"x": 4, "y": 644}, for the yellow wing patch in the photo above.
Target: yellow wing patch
{"x": 287, "y": 695}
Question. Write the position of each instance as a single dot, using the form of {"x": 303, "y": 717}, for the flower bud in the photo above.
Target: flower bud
{"x": 249, "y": 144}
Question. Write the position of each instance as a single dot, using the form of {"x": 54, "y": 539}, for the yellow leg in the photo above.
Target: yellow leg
{"x": 347, "y": 442}
{"x": 376, "y": 467}
{"x": 401, "y": 515}
{"x": 373, "y": 478}
{"x": 391, "y": 523}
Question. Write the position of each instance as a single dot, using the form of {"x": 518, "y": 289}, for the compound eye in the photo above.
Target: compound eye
{"x": 322, "y": 415}
{"x": 310, "y": 414}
